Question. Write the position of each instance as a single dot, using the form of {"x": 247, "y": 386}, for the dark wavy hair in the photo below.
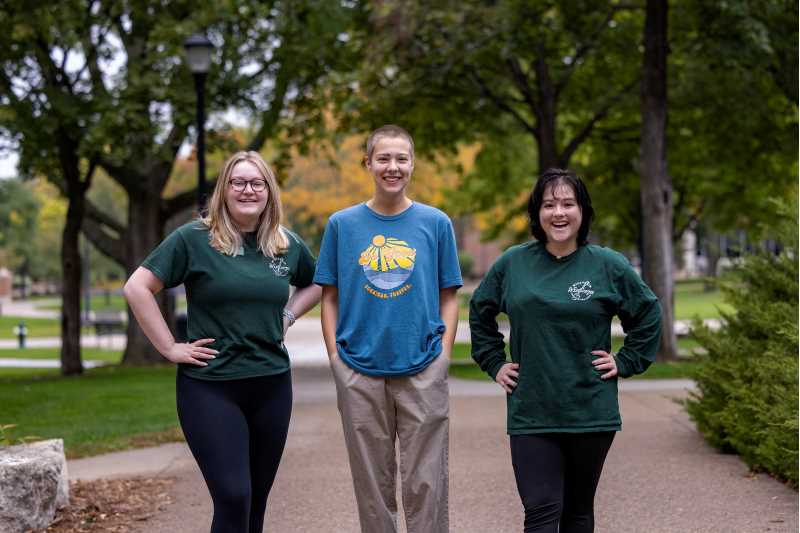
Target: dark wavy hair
{"x": 554, "y": 177}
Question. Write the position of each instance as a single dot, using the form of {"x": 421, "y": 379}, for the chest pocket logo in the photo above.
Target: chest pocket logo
{"x": 279, "y": 267}
{"x": 581, "y": 291}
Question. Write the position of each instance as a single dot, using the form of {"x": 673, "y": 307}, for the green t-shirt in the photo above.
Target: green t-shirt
{"x": 559, "y": 311}
{"x": 236, "y": 300}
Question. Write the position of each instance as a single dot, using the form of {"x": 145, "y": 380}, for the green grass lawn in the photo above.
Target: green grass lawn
{"x": 87, "y": 354}
{"x": 692, "y": 300}
{"x": 114, "y": 302}
{"x": 26, "y": 373}
{"x": 37, "y": 327}
{"x": 464, "y": 367}
{"x": 106, "y": 409}
{"x": 99, "y": 302}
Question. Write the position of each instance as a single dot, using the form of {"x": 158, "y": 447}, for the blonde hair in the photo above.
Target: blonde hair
{"x": 223, "y": 233}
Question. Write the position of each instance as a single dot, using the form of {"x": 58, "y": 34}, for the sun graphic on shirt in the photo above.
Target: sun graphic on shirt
{"x": 387, "y": 253}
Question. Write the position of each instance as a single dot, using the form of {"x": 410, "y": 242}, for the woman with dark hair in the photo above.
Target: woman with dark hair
{"x": 560, "y": 294}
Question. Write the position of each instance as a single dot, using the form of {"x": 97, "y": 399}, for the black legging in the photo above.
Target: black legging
{"x": 557, "y": 475}
{"x": 236, "y": 430}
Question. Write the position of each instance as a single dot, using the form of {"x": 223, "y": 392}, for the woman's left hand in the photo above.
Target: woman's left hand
{"x": 605, "y": 361}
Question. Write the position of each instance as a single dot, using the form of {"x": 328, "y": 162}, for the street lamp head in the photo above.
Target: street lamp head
{"x": 198, "y": 53}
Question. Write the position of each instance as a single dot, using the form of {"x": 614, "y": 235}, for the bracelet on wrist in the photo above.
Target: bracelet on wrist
{"x": 288, "y": 314}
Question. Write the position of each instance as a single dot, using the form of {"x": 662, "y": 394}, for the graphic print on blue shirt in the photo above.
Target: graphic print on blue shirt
{"x": 387, "y": 263}
{"x": 388, "y": 271}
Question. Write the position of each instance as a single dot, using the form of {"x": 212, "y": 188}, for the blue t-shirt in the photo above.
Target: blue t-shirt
{"x": 388, "y": 271}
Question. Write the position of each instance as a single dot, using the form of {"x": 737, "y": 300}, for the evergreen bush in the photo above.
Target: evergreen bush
{"x": 747, "y": 397}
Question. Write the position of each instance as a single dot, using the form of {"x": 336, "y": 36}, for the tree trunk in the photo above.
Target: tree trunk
{"x": 656, "y": 186}
{"x": 547, "y": 142}
{"x": 71, "y": 287}
{"x": 144, "y": 233}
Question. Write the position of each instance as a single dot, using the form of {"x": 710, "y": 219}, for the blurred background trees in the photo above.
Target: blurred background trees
{"x": 97, "y": 100}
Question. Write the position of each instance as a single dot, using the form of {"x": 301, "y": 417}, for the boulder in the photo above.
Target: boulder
{"x": 33, "y": 484}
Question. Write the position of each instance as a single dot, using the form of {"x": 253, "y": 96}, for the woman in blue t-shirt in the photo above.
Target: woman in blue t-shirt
{"x": 234, "y": 390}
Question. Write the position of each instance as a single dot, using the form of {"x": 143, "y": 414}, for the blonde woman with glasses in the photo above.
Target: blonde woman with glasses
{"x": 234, "y": 391}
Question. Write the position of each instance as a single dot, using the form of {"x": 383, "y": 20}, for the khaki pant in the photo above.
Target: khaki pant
{"x": 415, "y": 411}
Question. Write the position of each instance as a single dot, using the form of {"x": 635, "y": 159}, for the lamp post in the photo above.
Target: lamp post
{"x": 198, "y": 53}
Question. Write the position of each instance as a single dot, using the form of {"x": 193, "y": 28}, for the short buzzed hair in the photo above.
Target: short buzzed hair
{"x": 389, "y": 130}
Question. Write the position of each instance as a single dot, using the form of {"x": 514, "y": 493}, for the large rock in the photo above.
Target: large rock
{"x": 33, "y": 484}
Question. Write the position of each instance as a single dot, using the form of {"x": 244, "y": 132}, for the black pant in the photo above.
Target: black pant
{"x": 557, "y": 475}
{"x": 236, "y": 430}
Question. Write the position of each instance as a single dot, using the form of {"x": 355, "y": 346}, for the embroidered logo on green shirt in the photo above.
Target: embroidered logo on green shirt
{"x": 581, "y": 290}
{"x": 279, "y": 267}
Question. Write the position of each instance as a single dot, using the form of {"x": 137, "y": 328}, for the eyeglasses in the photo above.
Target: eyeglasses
{"x": 240, "y": 185}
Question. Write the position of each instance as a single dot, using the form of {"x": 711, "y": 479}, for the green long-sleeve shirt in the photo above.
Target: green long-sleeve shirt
{"x": 560, "y": 310}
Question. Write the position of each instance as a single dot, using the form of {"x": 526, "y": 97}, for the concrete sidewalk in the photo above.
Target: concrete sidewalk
{"x": 660, "y": 475}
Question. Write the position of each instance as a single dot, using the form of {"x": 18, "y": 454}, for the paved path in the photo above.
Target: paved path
{"x": 660, "y": 475}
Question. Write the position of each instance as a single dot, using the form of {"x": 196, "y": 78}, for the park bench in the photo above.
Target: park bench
{"x": 108, "y": 323}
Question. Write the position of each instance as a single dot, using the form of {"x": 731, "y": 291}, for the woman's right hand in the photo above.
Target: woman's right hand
{"x": 191, "y": 353}
{"x": 507, "y": 376}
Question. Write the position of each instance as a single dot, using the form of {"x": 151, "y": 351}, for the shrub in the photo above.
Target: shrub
{"x": 747, "y": 398}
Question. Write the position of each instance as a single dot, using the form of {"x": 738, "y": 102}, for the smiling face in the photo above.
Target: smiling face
{"x": 245, "y": 206}
{"x": 391, "y": 165}
{"x": 560, "y": 217}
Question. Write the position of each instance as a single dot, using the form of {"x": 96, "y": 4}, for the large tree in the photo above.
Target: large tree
{"x": 45, "y": 110}
{"x": 126, "y": 59}
{"x": 656, "y": 186}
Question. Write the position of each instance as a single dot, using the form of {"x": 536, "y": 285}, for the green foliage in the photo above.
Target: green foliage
{"x": 18, "y": 223}
{"x": 747, "y": 399}
{"x": 731, "y": 112}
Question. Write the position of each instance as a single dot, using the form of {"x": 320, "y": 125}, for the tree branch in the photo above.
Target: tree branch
{"x": 110, "y": 246}
{"x": 100, "y": 217}
{"x": 91, "y": 54}
{"x": 269, "y": 119}
{"x": 184, "y": 200}
{"x": 585, "y": 47}
{"x": 520, "y": 79}
{"x": 599, "y": 115}
{"x": 118, "y": 172}
{"x": 501, "y": 104}
{"x": 50, "y": 71}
